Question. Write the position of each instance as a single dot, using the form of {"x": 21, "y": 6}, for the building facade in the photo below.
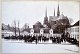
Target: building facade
{"x": 74, "y": 31}
{"x": 41, "y": 32}
{"x": 56, "y": 21}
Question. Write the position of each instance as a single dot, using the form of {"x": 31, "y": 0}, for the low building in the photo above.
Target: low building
{"x": 7, "y": 33}
{"x": 25, "y": 31}
{"x": 37, "y": 25}
{"x": 40, "y": 32}
{"x": 74, "y": 31}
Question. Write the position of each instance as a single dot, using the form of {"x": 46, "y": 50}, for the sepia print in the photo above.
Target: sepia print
{"x": 40, "y": 27}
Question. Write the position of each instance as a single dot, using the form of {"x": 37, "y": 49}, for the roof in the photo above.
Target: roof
{"x": 62, "y": 17}
{"x": 28, "y": 30}
{"x": 37, "y": 30}
{"x": 53, "y": 18}
{"x": 38, "y": 23}
{"x": 77, "y": 23}
{"x": 5, "y": 27}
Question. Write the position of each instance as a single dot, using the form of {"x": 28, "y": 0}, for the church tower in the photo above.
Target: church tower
{"x": 58, "y": 12}
{"x": 46, "y": 18}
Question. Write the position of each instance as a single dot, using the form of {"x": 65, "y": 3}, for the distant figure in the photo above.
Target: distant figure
{"x": 63, "y": 35}
{"x": 36, "y": 40}
{"x": 67, "y": 36}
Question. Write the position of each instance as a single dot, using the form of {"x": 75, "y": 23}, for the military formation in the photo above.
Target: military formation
{"x": 43, "y": 39}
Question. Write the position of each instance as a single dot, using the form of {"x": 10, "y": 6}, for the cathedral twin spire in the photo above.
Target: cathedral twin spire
{"x": 46, "y": 18}
{"x": 58, "y": 12}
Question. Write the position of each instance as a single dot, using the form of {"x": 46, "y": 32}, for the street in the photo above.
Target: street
{"x": 19, "y": 46}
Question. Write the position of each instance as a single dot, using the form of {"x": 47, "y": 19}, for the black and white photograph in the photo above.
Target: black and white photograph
{"x": 40, "y": 27}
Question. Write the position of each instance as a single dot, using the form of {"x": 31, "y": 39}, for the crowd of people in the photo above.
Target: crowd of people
{"x": 27, "y": 38}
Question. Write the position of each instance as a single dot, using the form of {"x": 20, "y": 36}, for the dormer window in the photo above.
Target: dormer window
{"x": 51, "y": 31}
{"x": 41, "y": 31}
{"x": 32, "y": 31}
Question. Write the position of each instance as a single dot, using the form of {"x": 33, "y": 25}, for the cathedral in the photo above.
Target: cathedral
{"x": 55, "y": 21}
{"x": 51, "y": 25}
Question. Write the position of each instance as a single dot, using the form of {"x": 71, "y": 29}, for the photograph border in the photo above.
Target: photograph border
{"x": 34, "y": 0}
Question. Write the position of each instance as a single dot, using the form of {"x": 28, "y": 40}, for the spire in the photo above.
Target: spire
{"x": 54, "y": 12}
{"x": 46, "y": 13}
{"x": 58, "y": 12}
{"x": 46, "y": 18}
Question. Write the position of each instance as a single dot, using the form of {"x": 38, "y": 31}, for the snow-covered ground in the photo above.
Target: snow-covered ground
{"x": 16, "y": 46}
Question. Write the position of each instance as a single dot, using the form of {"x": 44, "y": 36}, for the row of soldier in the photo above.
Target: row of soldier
{"x": 37, "y": 39}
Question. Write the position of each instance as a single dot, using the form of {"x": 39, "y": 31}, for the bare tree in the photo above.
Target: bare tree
{"x": 9, "y": 26}
{"x": 25, "y": 26}
{"x": 18, "y": 28}
{"x": 15, "y": 27}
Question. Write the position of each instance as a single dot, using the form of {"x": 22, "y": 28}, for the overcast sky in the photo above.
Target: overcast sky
{"x": 30, "y": 12}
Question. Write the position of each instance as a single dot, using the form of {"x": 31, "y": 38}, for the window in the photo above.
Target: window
{"x": 76, "y": 30}
{"x": 72, "y": 29}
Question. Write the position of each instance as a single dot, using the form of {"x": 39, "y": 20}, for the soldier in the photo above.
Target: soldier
{"x": 36, "y": 40}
